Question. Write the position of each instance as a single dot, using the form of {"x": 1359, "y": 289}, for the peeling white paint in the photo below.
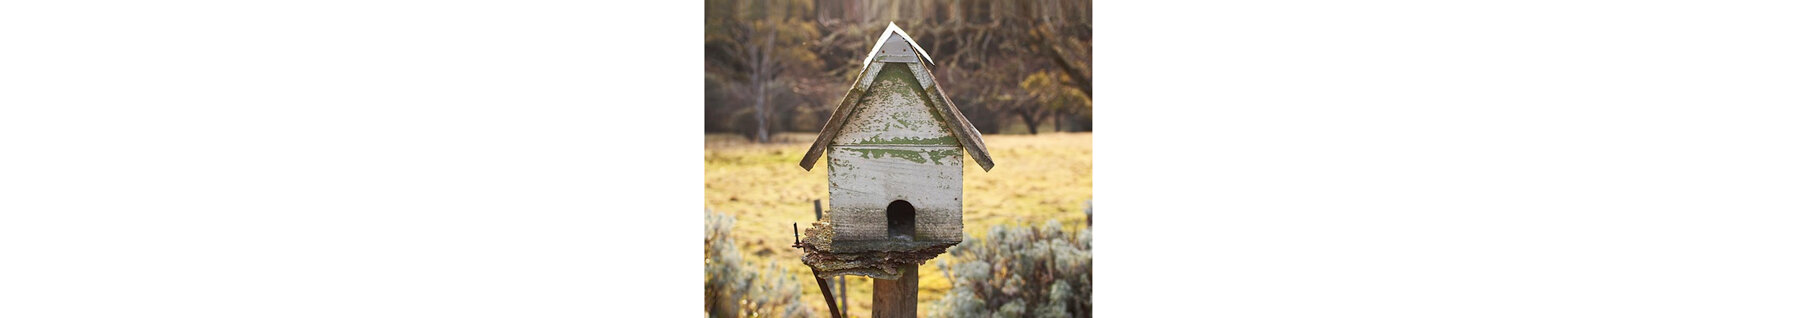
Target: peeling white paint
{"x": 892, "y": 109}
{"x": 862, "y": 186}
{"x": 893, "y": 146}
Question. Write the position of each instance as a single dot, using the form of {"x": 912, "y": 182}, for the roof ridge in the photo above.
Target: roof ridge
{"x": 895, "y": 29}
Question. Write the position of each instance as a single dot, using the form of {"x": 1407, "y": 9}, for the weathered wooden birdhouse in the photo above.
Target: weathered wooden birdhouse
{"x": 894, "y": 151}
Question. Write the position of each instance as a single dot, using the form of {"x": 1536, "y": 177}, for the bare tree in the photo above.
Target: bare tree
{"x": 757, "y": 43}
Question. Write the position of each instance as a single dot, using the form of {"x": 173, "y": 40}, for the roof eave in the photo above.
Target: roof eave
{"x": 965, "y": 132}
{"x": 839, "y": 115}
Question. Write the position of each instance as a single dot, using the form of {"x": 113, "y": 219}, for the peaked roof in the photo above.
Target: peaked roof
{"x": 966, "y": 135}
{"x": 891, "y": 30}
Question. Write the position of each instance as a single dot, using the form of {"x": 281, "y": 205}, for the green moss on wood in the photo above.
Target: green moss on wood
{"x": 897, "y": 84}
{"x": 895, "y": 74}
{"x": 935, "y": 156}
{"x": 878, "y": 153}
{"x": 879, "y": 140}
{"x": 939, "y": 156}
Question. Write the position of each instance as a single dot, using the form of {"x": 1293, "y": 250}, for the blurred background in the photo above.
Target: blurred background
{"x": 1020, "y": 72}
{"x": 1012, "y": 66}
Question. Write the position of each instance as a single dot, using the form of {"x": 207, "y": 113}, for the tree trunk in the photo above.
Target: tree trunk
{"x": 897, "y": 298}
{"x": 762, "y": 112}
{"x": 1031, "y": 120}
{"x": 760, "y": 80}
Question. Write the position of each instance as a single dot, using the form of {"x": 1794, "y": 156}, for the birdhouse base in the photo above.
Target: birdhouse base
{"x": 883, "y": 259}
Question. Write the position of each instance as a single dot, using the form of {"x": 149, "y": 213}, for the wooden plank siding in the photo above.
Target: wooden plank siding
{"x": 866, "y": 179}
{"x": 893, "y": 112}
{"x": 893, "y": 147}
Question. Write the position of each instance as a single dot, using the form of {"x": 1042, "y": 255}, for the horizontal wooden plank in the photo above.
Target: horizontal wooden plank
{"x": 866, "y": 179}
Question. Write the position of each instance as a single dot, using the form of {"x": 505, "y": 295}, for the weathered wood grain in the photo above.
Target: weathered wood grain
{"x": 899, "y": 297}
{"x": 839, "y": 115}
{"x": 896, "y": 49}
{"x": 966, "y": 134}
{"x": 894, "y": 112}
{"x": 926, "y": 89}
{"x": 866, "y": 178}
{"x": 893, "y": 146}
{"x": 894, "y": 137}
{"x": 894, "y": 34}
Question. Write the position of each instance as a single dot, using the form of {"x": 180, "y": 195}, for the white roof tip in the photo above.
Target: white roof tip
{"x": 895, "y": 29}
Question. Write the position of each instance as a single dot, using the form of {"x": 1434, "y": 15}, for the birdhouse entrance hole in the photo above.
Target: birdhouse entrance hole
{"x": 900, "y": 220}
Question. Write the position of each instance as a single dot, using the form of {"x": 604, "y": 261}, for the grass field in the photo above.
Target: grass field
{"x": 1036, "y": 178}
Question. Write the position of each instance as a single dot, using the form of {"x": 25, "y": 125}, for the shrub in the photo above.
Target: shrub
{"x": 735, "y": 289}
{"x": 1020, "y": 272}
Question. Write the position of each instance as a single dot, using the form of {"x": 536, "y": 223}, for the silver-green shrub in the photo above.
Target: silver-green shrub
{"x": 1020, "y": 272}
{"x": 735, "y": 289}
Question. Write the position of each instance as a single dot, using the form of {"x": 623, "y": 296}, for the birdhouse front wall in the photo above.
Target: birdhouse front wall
{"x": 894, "y": 147}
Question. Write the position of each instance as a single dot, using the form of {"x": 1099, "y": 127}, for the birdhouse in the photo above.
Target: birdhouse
{"x": 893, "y": 152}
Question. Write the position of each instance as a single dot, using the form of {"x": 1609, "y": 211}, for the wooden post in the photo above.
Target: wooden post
{"x": 898, "y": 298}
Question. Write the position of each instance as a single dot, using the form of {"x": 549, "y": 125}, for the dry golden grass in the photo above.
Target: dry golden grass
{"x": 1036, "y": 178}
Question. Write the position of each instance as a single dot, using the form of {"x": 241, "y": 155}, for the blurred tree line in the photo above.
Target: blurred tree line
{"x": 782, "y": 65}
